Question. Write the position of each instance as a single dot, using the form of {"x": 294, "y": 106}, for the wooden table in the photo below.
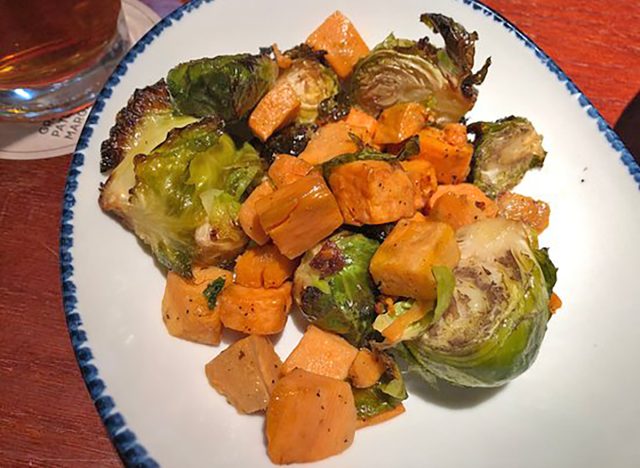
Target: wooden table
{"x": 46, "y": 416}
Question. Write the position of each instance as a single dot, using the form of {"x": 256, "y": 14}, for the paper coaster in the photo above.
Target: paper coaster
{"x": 58, "y": 137}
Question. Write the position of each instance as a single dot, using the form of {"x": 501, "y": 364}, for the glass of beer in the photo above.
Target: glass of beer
{"x": 55, "y": 55}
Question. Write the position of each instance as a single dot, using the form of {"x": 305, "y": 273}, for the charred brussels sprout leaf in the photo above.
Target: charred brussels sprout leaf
{"x": 366, "y": 154}
{"x": 332, "y": 286}
{"x": 503, "y": 152}
{"x": 401, "y": 70}
{"x": 292, "y": 140}
{"x": 187, "y": 193}
{"x": 372, "y": 401}
{"x": 313, "y": 82}
{"x": 227, "y": 86}
{"x": 377, "y": 232}
{"x": 549, "y": 270}
{"x": 212, "y": 290}
{"x": 140, "y": 127}
{"x": 334, "y": 108}
{"x": 497, "y": 318}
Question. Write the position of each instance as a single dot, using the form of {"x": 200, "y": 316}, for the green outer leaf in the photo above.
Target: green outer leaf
{"x": 227, "y": 86}
{"x": 372, "y": 401}
{"x": 212, "y": 290}
{"x": 549, "y": 270}
{"x": 446, "y": 283}
{"x": 365, "y": 155}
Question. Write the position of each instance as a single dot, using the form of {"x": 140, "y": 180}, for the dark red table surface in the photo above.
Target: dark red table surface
{"x": 46, "y": 415}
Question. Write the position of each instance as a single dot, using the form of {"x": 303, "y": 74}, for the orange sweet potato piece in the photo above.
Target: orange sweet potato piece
{"x": 372, "y": 192}
{"x": 258, "y": 311}
{"x": 283, "y": 61}
{"x": 393, "y": 333}
{"x": 402, "y": 265}
{"x": 381, "y": 417}
{"x": 342, "y": 42}
{"x": 554, "y": 303}
{"x": 399, "y": 122}
{"x": 286, "y": 169}
{"x": 299, "y": 215}
{"x": 245, "y": 373}
{"x": 366, "y": 369}
{"x": 535, "y": 213}
{"x": 329, "y": 141}
{"x": 470, "y": 191}
{"x": 263, "y": 267}
{"x": 449, "y": 152}
{"x": 276, "y": 109}
{"x": 185, "y": 309}
{"x": 425, "y": 182}
{"x": 322, "y": 353}
{"x": 360, "y": 119}
{"x": 248, "y": 216}
{"x": 309, "y": 417}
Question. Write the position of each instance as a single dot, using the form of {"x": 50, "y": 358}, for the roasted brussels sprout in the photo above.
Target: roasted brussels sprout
{"x": 227, "y": 86}
{"x": 186, "y": 196}
{"x": 493, "y": 328}
{"x": 140, "y": 127}
{"x": 503, "y": 152}
{"x": 313, "y": 82}
{"x": 402, "y": 70}
{"x": 332, "y": 286}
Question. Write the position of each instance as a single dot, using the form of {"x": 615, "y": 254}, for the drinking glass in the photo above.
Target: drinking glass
{"x": 55, "y": 55}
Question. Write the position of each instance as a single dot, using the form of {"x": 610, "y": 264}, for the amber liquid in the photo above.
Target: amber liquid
{"x": 47, "y": 41}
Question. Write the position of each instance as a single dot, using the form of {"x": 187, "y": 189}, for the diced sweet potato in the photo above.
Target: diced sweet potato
{"x": 402, "y": 265}
{"x": 372, "y": 192}
{"x": 470, "y": 191}
{"x": 554, "y": 303}
{"x": 248, "y": 217}
{"x": 360, "y": 119}
{"x": 322, "y": 353}
{"x": 263, "y": 267}
{"x": 535, "y": 213}
{"x": 245, "y": 373}
{"x": 299, "y": 215}
{"x": 276, "y": 109}
{"x": 394, "y": 332}
{"x": 309, "y": 417}
{"x": 185, "y": 309}
{"x": 425, "y": 182}
{"x": 257, "y": 311}
{"x": 329, "y": 141}
{"x": 286, "y": 169}
{"x": 449, "y": 152}
{"x": 283, "y": 61}
{"x": 399, "y": 122}
{"x": 366, "y": 369}
{"x": 458, "y": 210}
{"x": 342, "y": 42}
{"x": 381, "y": 417}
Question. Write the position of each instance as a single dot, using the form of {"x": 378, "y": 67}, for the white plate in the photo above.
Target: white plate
{"x": 578, "y": 404}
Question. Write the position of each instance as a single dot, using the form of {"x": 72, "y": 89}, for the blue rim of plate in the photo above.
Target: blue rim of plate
{"x": 123, "y": 438}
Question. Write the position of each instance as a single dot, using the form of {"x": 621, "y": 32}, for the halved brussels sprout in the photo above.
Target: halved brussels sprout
{"x": 227, "y": 86}
{"x": 402, "y": 70}
{"x": 187, "y": 193}
{"x": 503, "y": 152}
{"x": 332, "y": 286}
{"x": 493, "y": 328}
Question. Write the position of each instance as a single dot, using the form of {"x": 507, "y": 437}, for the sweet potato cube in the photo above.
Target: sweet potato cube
{"x": 329, "y": 141}
{"x": 263, "y": 267}
{"x": 185, "y": 309}
{"x": 342, "y": 42}
{"x": 366, "y": 369}
{"x": 299, "y": 215}
{"x": 276, "y": 109}
{"x": 286, "y": 169}
{"x": 245, "y": 373}
{"x": 372, "y": 192}
{"x": 322, "y": 353}
{"x": 449, "y": 152}
{"x": 402, "y": 265}
{"x": 257, "y": 311}
{"x": 425, "y": 182}
{"x": 399, "y": 122}
{"x": 248, "y": 216}
{"x": 535, "y": 213}
{"x": 309, "y": 417}
{"x": 381, "y": 417}
{"x": 361, "y": 120}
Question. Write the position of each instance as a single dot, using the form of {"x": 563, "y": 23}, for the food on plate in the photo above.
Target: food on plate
{"x": 340, "y": 184}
